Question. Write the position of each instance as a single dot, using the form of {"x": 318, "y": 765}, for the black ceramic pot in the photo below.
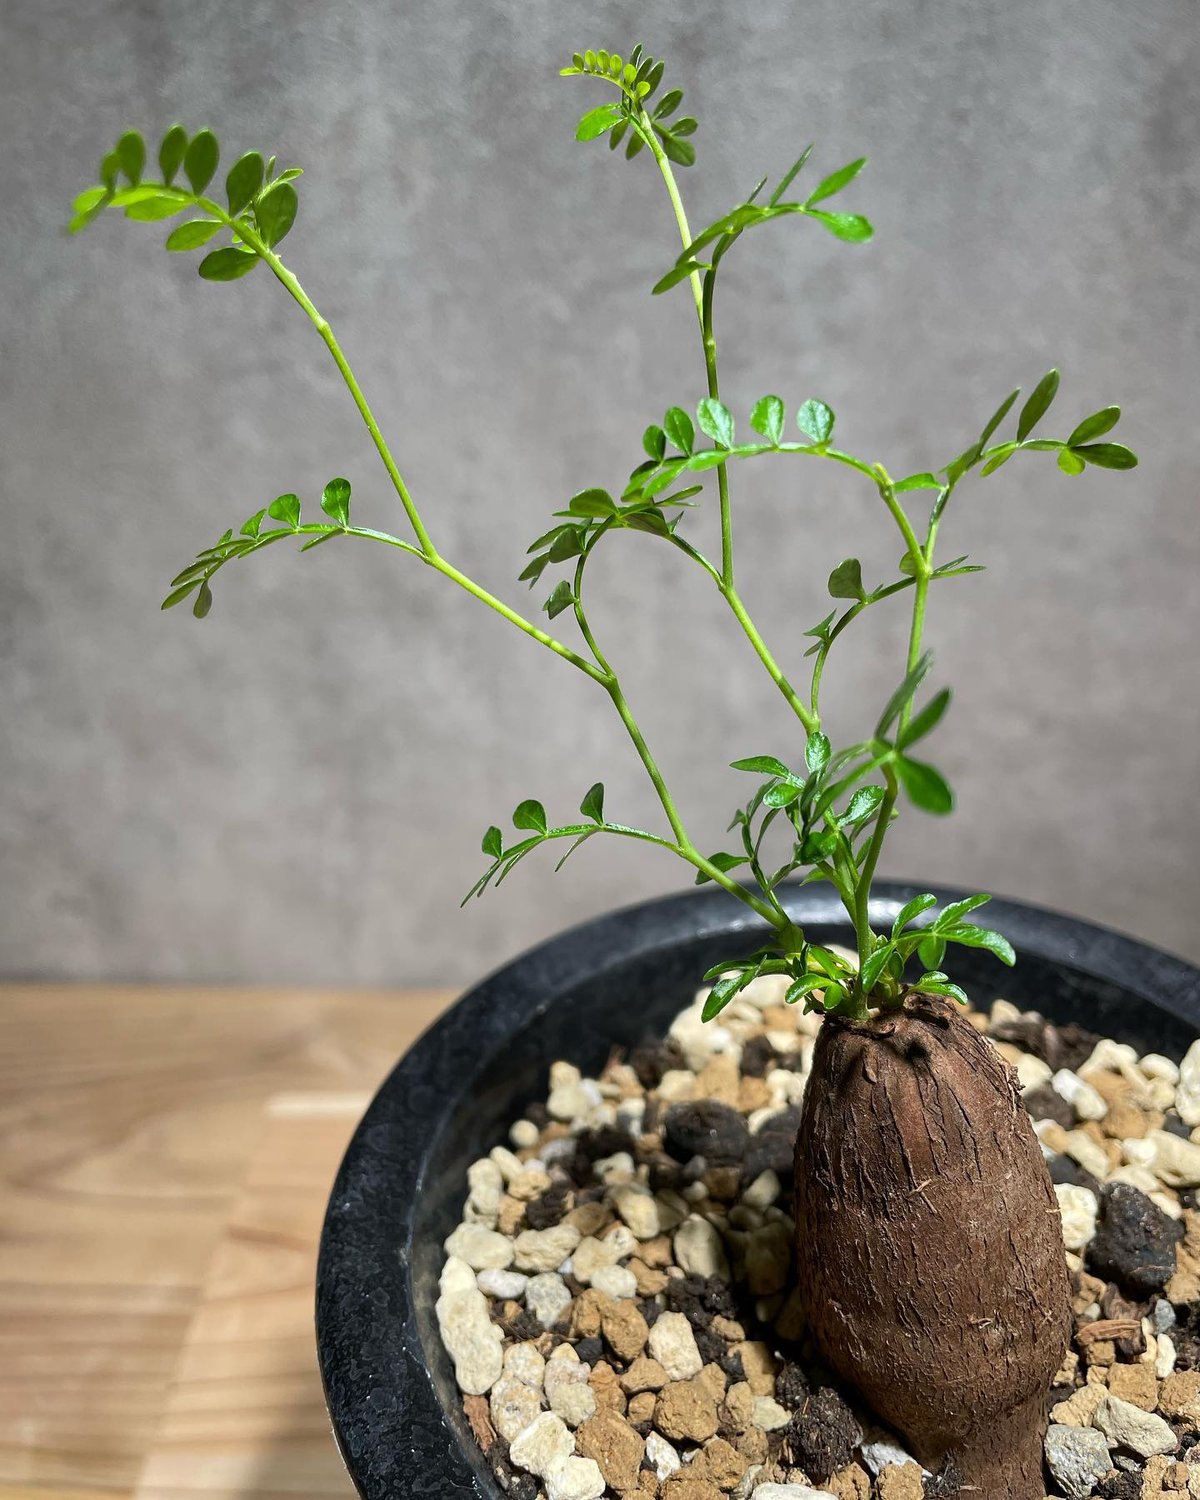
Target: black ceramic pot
{"x": 616, "y": 981}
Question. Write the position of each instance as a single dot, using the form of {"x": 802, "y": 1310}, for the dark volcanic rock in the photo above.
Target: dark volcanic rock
{"x": 791, "y": 1386}
{"x": 1045, "y": 1104}
{"x": 1117, "y": 1487}
{"x": 1135, "y": 1241}
{"x": 823, "y": 1434}
{"x": 1067, "y": 1046}
{"x": 774, "y": 1147}
{"x": 946, "y": 1484}
{"x": 546, "y": 1211}
{"x": 708, "y": 1129}
{"x": 1070, "y": 1173}
{"x": 758, "y": 1057}
{"x": 651, "y": 1062}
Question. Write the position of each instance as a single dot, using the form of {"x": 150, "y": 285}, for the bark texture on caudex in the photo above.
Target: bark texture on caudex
{"x": 929, "y": 1250}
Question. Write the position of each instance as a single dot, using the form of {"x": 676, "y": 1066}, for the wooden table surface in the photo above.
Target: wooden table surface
{"x": 165, "y": 1155}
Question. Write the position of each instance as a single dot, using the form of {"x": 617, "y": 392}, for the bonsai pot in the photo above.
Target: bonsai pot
{"x": 611, "y": 983}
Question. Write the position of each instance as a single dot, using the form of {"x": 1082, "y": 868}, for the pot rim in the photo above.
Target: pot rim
{"x": 382, "y": 1403}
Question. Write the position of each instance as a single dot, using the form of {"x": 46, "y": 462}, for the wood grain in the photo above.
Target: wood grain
{"x": 130, "y": 1119}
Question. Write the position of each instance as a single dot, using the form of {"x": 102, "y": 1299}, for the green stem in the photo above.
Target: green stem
{"x": 923, "y": 564}
{"x": 683, "y": 845}
{"x": 702, "y": 293}
{"x": 862, "y": 896}
{"x": 810, "y": 720}
{"x": 428, "y": 551}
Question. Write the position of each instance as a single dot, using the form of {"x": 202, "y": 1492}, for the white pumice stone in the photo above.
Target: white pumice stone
{"x": 1155, "y": 1065}
{"x": 483, "y": 1249}
{"x": 1175, "y": 1162}
{"x": 1079, "y": 1207}
{"x": 662, "y": 1456}
{"x": 698, "y": 1249}
{"x": 569, "y": 1102}
{"x": 547, "y": 1297}
{"x": 763, "y": 1191}
{"x": 638, "y": 1209}
{"x": 677, "y": 1086}
{"x": 615, "y": 1169}
{"x": 769, "y": 1415}
{"x": 507, "y": 1162}
{"x": 472, "y": 1340}
{"x": 508, "y": 1286}
{"x": 575, "y": 1479}
{"x": 1092, "y": 1157}
{"x": 513, "y": 1405}
{"x": 544, "y": 1249}
{"x": 673, "y": 1344}
{"x": 1032, "y": 1072}
{"x": 524, "y": 1134}
{"x": 574, "y": 1403}
{"x": 1081, "y": 1096}
{"x": 524, "y": 1362}
{"x": 546, "y": 1441}
{"x": 616, "y": 1282}
{"x": 456, "y": 1276}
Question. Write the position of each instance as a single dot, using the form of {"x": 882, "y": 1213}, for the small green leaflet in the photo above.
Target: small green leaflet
{"x": 592, "y": 805}
{"x": 927, "y": 719}
{"x": 925, "y": 786}
{"x": 970, "y": 936}
{"x": 763, "y": 765}
{"x": 863, "y": 805}
{"x": 1107, "y": 455}
{"x": 244, "y": 181}
{"x": 131, "y": 154}
{"x": 912, "y": 909}
{"x": 1095, "y": 426}
{"x": 493, "y": 842}
{"x": 596, "y": 121}
{"x": 815, "y": 420}
{"x": 845, "y": 582}
{"x": 200, "y": 160}
{"x": 335, "y": 501}
{"x": 1038, "y": 404}
{"x": 192, "y": 234}
{"x": 852, "y": 228}
{"x": 285, "y": 508}
{"x": 924, "y": 481}
{"x": 227, "y": 264}
{"x": 835, "y": 182}
{"x": 275, "y": 211}
{"x": 678, "y": 427}
{"x": 562, "y": 598}
{"x": 150, "y": 209}
{"x": 767, "y": 419}
{"x": 817, "y": 751}
{"x": 715, "y": 419}
{"x": 170, "y": 153}
{"x": 998, "y": 416}
{"x": 530, "y": 815}
{"x": 904, "y": 694}
{"x": 952, "y": 915}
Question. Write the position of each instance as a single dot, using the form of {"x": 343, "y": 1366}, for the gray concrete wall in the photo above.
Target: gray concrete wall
{"x": 294, "y": 790}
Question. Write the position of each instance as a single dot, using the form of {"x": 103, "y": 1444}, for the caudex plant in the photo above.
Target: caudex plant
{"x": 928, "y": 1251}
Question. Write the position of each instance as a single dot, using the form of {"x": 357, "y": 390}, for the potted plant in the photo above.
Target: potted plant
{"x": 929, "y": 1273}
